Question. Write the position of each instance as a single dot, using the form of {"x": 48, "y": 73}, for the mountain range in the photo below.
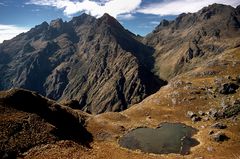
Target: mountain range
{"x": 72, "y": 89}
{"x": 192, "y": 38}
{"x": 95, "y": 62}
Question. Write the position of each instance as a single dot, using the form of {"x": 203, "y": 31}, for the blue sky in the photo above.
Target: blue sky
{"x": 138, "y": 16}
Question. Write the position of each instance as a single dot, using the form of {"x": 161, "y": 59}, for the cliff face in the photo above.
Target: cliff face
{"x": 193, "y": 38}
{"x": 94, "y": 61}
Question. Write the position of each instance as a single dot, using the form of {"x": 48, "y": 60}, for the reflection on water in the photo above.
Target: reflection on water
{"x": 167, "y": 138}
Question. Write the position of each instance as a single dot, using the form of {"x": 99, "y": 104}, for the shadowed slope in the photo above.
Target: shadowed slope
{"x": 68, "y": 123}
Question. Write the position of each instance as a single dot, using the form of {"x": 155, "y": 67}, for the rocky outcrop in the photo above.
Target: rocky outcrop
{"x": 219, "y": 125}
{"x": 228, "y": 88}
{"x": 219, "y": 137}
{"x": 93, "y": 61}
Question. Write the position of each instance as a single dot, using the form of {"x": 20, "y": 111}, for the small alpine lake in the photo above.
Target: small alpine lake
{"x": 167, "y": 138}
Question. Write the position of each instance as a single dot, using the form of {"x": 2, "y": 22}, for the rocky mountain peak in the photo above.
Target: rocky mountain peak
{"x": 238, "y": 9}
{"x": 43, "y": 26}
{"x": 38, "y": 29}
{"x": 106, "y": 16}
{"x": 82, "y": 19}
{"x": 215, "y": 9}
{"x": 163, "y": 23}
{"x": 57, "y": 23}
{"x": 93, "y": 61}
{"x": 107, "y": 19}
{"x": 214, "y": 13}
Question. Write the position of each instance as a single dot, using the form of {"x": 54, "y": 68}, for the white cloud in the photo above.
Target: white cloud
{"x": 176, "y": 7}
{"x": 124, "y": 8}
{"x": 2, "y": 4}
{"x": 9, "y": 31}
{"x": 125, "y": 16}
{"x": 112, "y": 7}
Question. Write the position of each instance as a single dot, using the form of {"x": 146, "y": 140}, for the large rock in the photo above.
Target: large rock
{"x": 229, "y": 88}
{"x": 219, "y": 137}
{"x": 213, "y": 113}
{"x": 191, "y": 114}
{"x": 219, "y": 125}
{"x": 232, "y": 110}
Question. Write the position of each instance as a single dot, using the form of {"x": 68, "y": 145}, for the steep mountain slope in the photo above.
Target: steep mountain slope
{"x": 28, "y": 120}
{"x": 192, "y": 38}
{"x": 94, "y": 61}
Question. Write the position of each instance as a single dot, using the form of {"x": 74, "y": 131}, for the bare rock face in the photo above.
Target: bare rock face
{"x": 191, "y": 39}
{"x": 94, "y": 61}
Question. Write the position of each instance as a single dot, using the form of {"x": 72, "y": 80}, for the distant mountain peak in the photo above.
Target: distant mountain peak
{"x": 109, "y": 20}
{"x": 197, "y": 34}
{"x": 37, "y": 29}
{"x": 42, "y": 25}
{"x": 82, "y": 19}
{"x": 216, "y": 9}
{"x": 106, "y": 18}
{"x": 164, "y": 23}
{"x": 57, "y": 23}
{"x": 226, "y": 13}
{"x": 238, "y": 9}
{"x": 106, "y": 15}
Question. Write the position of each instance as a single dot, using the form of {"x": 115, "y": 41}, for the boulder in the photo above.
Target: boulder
{"x": 236, "y": 102}
{"x": 219, "y": 137}
{"x": 228, "y": 88}
{"x": 196, "y": 118}
{"x": 201, "y": 113}
{"x": 191, "y": 114}
{"x": 219, "y": 125}
{"x": 232, "y": 111}
{"x": 206, "y": 118}
{"x": 210, "y": 149}
{"x": 211, "y": 132}
{"x": 213, "y": 113}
